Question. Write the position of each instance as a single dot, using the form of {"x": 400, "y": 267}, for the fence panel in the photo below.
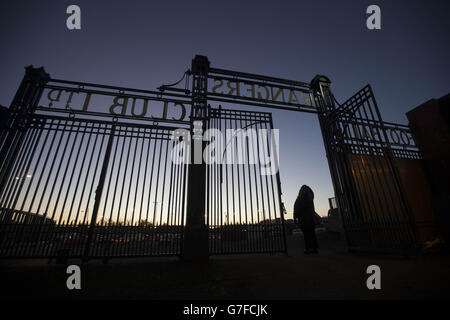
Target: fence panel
{"x": 244, "y": 210}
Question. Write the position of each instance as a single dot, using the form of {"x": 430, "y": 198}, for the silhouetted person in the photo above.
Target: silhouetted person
{"x": 304, "y": 215}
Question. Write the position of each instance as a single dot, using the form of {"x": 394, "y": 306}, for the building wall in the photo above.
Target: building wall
{"x": 418, "y": 193}
{"x": 430, "y": 125}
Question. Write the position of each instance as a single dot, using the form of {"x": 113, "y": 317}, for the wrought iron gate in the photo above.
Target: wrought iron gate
{"x": 245, "y": 212}
{"x": 81, "y": 182}
{"x": 89, "y": 184}
{"x": 374, "y": 210}
{"x": 84, "y": 188}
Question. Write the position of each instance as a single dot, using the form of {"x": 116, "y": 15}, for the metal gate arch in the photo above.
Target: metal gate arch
{"x": 78, "y": 183}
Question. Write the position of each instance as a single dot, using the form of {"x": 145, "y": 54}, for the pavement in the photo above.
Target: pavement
{"x": 334, "y": 273}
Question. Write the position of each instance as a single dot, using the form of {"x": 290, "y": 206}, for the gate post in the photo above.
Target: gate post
{"x": 20, "y": 110}
{"x": 325, "y": 103}
{"x": 195, "y": 240}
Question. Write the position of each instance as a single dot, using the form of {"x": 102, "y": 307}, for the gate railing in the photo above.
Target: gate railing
{"x": 243, "y": 203}
{"x": 83, "y": 188}
{"x": 362, "y": 150}
{"x": 86, "y": 183}
{"x": 77, "y": 181}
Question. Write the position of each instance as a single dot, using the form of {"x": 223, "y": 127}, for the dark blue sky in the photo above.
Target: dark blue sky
{"x": 144, "y": 44}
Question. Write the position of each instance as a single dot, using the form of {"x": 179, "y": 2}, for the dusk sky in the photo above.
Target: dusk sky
{"x": 144, "y": 44}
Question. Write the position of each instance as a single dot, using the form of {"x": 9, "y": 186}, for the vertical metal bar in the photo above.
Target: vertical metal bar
{"x": 185, "y": 173}
{"x": 170, "y": 213}
{"x": 152, "y": 244}
{"x": 144, "y": 223}
{"x": 278, "y": 181}
{"x": 260, "y": 196}
{"x": 176, "y": 206}
{"x": 155, "y": 201}
{"x": 138, "y": 224}
{"x": 117, "y": 228}
{"x": 128, "y": 237}
{"x": 265, "y": 152}
{"x": 240, "y": 230}
{"x": 253, "y": 235}
{"x": 233, "y": 229}
{"x": 208, "y": 191}
{"x": 98, "y": 193}
{"x": 167, "y": 234}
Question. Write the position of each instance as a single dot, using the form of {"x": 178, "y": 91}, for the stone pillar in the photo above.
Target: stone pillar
{"x": 195, "y": 242}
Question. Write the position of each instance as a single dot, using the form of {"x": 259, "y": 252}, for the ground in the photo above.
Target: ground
{"x": 332, "y": 274}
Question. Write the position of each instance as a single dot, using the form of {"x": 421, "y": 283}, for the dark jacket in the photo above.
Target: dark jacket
{"x": 304, "y": 211}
